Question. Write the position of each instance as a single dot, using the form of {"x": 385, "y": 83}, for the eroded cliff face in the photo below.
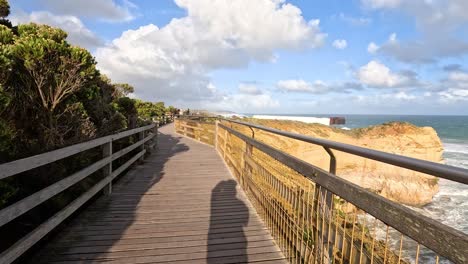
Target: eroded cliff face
{"x": 398, "y": 184}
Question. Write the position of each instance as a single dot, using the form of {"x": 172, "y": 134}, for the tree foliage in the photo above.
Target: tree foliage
{"x": 4, "y": 8}
{"x": 52, "y": 95}
{"x": 148, "y": 110}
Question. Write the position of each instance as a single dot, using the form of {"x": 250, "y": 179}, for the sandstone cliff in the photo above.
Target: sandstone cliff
{"x": 395, "y": 183}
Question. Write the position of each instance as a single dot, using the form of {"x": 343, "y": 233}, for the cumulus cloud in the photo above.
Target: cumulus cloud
{"x": 302, "y": 86}
{"x": 173, "y": 61}
{"x": 340, "y": 44}
{"x": 316, "y": 87}
{"x": 355, "y": 21}
{"x": 249, "y": 88}
{"x": 381, "y": 3}
{"x": 377, "y": 75}
{"x": 78, "y": 33}
{"x": 386, "y": 99}
{"x": 372, "y": 48}
{"x": 108, "y": 10}
{"x": 454, "y": 87}
{"x": 454, "y": 95}
{"x": 247, "y": 100}
{"x": 438, "y": 22}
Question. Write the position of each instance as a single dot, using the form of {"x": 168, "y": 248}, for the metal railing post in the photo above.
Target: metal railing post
{"x": 107, "y": 170}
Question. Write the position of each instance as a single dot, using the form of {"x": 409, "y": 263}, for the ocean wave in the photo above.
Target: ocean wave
{"x": 305, "y": 119}
{"x": 457, "y": 162}
{"x": 456, "y": 148}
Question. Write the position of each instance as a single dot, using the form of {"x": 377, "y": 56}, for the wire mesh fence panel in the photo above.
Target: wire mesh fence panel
{"x": 312, "y": 224}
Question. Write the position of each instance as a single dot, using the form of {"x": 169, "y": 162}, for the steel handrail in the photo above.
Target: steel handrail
{"x": 439, "y": 170}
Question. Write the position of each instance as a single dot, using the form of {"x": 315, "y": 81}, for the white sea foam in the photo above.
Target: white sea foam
{"x": 305, "y": 119}
{"x": 456, "y": 148}
{"x": 346, "y": 128}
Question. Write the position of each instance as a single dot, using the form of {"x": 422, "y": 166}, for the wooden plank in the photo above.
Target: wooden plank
{"x": 17, "y": 249}
{"x": 21, "y": 165}
{"x": 164, "y": 211}
{"x": 160, "y": 251}
{"x": 442, "y": 239}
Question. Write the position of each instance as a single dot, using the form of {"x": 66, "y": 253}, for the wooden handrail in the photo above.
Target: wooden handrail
{"x": 21, "y": 165}
{"x": 23, "y": 206}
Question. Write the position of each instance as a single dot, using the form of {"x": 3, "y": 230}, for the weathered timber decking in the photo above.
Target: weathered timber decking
{"x": 180, "y": 206}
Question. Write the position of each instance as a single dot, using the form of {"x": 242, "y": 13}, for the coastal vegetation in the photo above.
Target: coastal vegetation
{"x": 397, "y": 184}
{"x": 52, "y": 95}
{"x": 289, "y": 202}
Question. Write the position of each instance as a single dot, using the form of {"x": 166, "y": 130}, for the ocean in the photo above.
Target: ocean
{"x": 450, "y": 205}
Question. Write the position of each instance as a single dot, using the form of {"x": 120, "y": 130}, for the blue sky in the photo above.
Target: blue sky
{"x": 274, "y": 56}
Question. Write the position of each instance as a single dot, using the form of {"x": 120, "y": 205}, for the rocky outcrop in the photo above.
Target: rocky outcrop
{"x": 398, "y": 184}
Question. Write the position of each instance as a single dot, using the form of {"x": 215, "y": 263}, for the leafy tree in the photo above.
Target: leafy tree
{"x": 127, "y": 107}
{"x": 52, "y": 95}
{"x": 123, "y": 90}
{"x": 172, "y": 110}
{"x": 47, "y": 73}
{"x": 148, "y": 110}
{"x": 4, "y": 12}
{"x": 4, "y": 8}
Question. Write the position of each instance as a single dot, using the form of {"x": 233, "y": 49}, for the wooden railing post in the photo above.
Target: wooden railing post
{"x": 155, "y": 137}
{"x": 141, "y": 136}
{"x": 107, "y": 170}
{"x": 247, "y": 166}
{"x": 216, "y": 136}
{"x": 225, "y": 144}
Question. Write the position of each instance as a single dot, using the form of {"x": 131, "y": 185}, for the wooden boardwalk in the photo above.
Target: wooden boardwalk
{"x": 180, "y": 206}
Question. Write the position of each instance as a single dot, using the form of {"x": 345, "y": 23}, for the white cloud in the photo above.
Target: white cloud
{"x": 245, "y": 103}
{"x": 377, "y": 75}
{"x": 372, "y": 48}
{"x": 438, "y": 22}
{"x": 459, "y": 77}
{"x": 107, "y": 10}
{"x": 454, "y": 87}
{"x": 403, "y": 96}
{"x": 317, "y": 87}
{"x": 340, "y": 43}
{"x": 78, "y": 33}
{"x": 302, "y": 86}
{"x": 381, "y": 3}
{"x": 392, "y": 38}
{"x": 454, "y": 95}
{"x": 355, "y": 21}
{"x": 248, "y": 88}
{"x": 173, "y": 62}
{"x": 387, "y": 100}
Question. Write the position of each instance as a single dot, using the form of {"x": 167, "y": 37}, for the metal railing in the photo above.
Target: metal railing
{"x": 318, "y": 217}
{"x": 8, "y": 214}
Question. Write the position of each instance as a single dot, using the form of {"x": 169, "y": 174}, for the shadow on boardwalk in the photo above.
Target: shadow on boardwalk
{"x": 96, "y": 235}
{"x": 233, "y": 209}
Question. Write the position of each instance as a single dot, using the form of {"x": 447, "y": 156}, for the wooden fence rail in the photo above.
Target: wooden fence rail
{"x": 198, "y": 130}
{"x": 318, "y": 217}
{"x": 145, "y": 141}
